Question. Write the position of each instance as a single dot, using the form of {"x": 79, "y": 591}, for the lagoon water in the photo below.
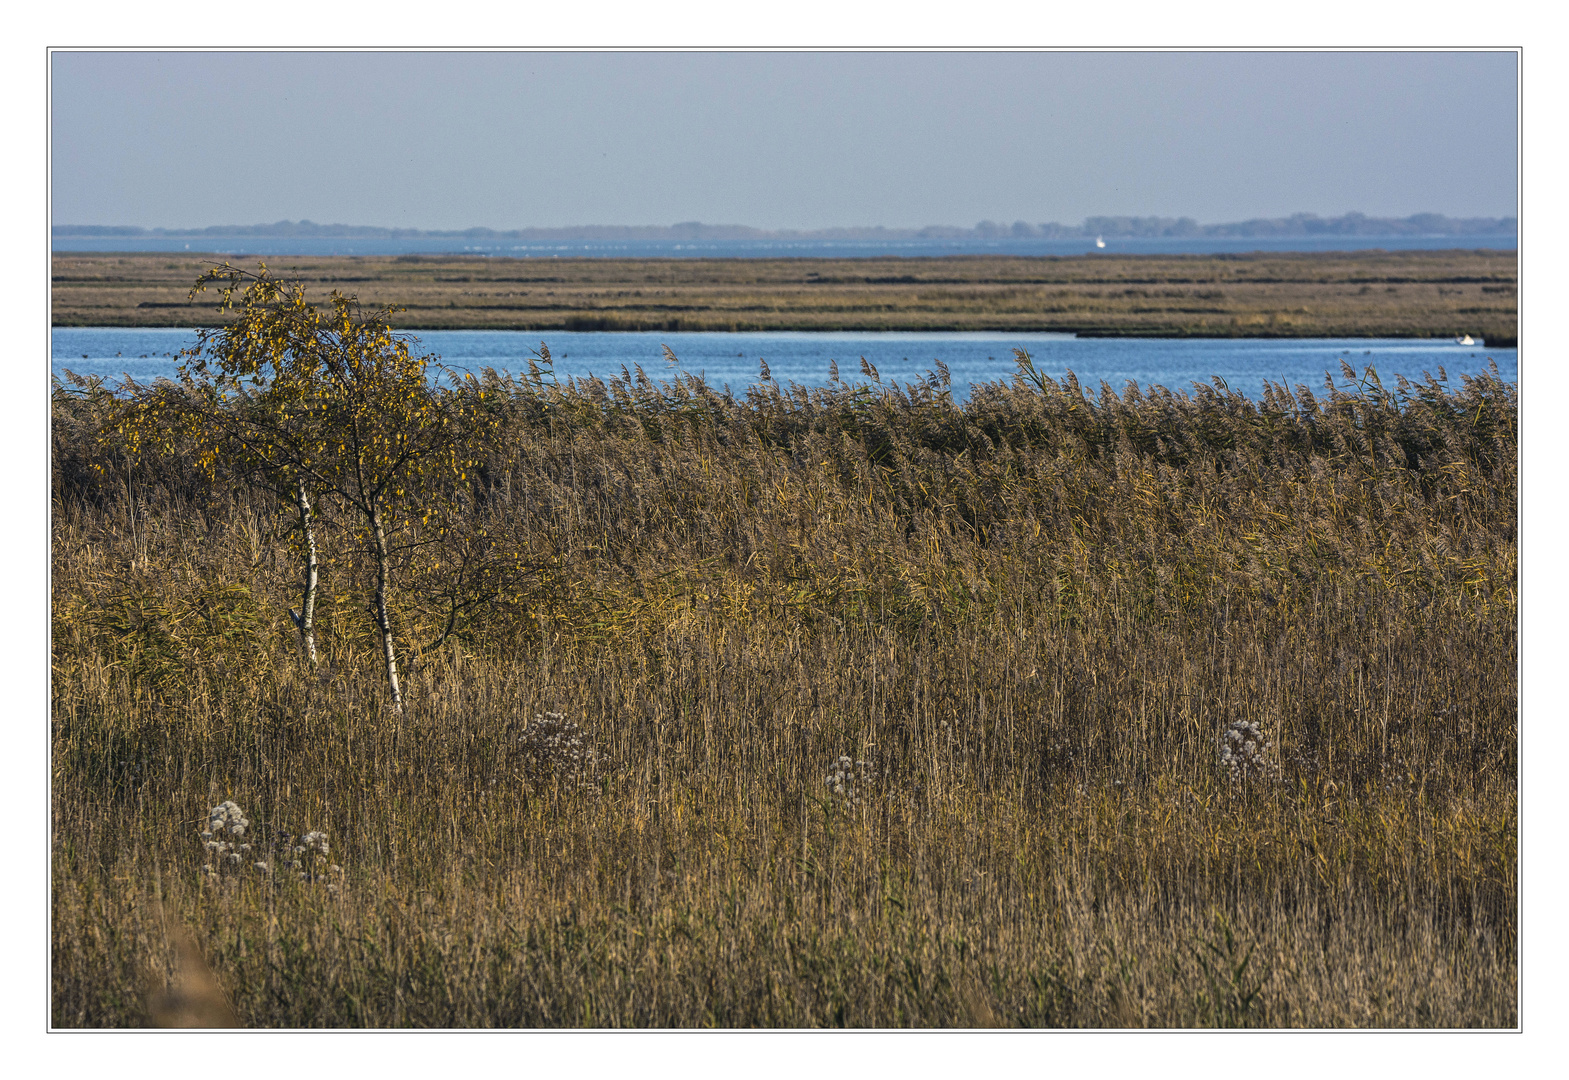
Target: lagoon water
{"x": 767, "y": 248}
{"x": 732, "y": 359}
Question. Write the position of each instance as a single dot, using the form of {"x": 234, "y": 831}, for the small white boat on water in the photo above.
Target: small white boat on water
{"x": 1464, "y": 339}
{"x": 1100, "y": 241}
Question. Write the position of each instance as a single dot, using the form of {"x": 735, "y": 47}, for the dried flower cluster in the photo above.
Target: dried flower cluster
{"x": 849, "y": 780}
{"x": 552, "y": 748}
{"x": 1243, "y": 751}
{"x": 307, "y": 856}
{"x": 223, "y": 840}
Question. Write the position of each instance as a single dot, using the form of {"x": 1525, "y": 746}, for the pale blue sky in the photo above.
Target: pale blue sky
{"x": 775, "y": 140}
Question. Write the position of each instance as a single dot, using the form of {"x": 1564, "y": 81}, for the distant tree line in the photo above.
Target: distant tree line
{"x": 1352, "y": 224}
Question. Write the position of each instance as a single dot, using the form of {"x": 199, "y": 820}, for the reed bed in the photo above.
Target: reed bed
{"x": 1298, "y": 294}
{"x": 846, "y": 707}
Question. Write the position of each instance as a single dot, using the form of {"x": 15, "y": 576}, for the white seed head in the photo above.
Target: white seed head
{"x": 1243, "y": 749}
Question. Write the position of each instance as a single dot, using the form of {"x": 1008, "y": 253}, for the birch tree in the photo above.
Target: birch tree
{"x": 232, "y": 427}
{"x": 327, "y": 400}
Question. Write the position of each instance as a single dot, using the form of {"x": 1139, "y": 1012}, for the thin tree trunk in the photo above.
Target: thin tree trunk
{"x": 307, "y": 617}
{"x": 383, "y": 622}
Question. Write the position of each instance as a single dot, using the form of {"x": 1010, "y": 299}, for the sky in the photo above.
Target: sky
{"x": 443, "y": 140}
{"x": 452, "y": 140}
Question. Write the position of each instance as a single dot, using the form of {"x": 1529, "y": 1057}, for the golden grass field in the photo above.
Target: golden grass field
{"x": 1355, "y": 294}
{"x": 1028, "y": 622}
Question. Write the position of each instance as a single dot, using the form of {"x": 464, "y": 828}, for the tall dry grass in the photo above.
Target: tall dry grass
{"x": 1030, "y": 619}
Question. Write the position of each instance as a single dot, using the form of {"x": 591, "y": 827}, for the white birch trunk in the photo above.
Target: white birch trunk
{"x": 306, "y": 620}
{"x": 383, "y": 621}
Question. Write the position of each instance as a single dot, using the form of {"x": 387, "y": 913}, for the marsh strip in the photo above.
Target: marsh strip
{"x": 1337, "y": 294}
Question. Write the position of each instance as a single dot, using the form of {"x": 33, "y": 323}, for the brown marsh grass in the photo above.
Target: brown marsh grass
{"x": 1331, "y": 294}
{"x": 1031, "y": 619}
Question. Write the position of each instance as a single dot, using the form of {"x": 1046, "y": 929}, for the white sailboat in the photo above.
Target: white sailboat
{"x": 1100, "y": 241}
{"x": 1464, "y": 339}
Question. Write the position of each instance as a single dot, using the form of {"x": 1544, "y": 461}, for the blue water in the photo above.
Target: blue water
{"x": 727, "y": 359}
{"x": 273, "y": 247}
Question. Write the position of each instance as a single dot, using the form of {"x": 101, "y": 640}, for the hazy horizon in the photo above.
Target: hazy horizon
{"x": 776, "y": 140}
{"x": 1087, "y": 223}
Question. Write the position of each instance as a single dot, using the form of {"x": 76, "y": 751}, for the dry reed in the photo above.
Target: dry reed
{"x": 1035, "y": 616}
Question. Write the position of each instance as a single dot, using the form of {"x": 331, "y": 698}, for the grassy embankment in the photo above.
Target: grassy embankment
{"x": 1034, "y": 616}
{"x": 1360, "y": 294}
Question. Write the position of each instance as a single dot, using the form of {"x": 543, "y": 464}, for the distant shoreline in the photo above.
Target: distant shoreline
{"x": 696, "y": 240}
{"x": 1297, "y": 226}
{"x": 329, "y": 247}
